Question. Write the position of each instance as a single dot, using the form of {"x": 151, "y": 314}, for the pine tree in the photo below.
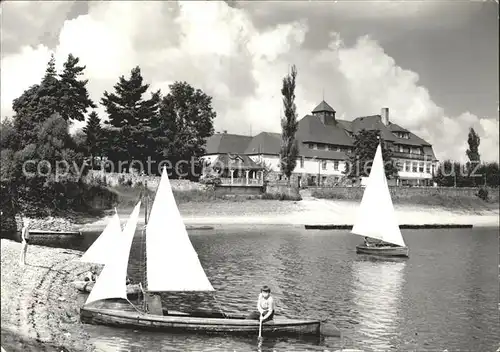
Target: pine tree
{"x": 132, "y": 115}
{"x": 75, "y": 99}
{"x": 93, "y": 135}
{"x": 289, "y": 125}
{"x": 36, "y": 105}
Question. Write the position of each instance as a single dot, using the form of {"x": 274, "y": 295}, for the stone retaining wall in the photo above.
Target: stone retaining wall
{"x": 113, "y": 179}
{"x": 356, "y": 193}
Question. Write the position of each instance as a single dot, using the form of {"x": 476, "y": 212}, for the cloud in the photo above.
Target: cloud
{"x": 219, "y": 49}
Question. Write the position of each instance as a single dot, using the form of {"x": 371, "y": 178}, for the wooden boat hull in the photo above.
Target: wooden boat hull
{"x": 133, "y": 290}
{"x": 386, "y": 251}
{"x": 185, "y": 322}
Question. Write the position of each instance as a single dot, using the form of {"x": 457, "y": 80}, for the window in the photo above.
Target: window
{"x": 335, "y": 165}
{"x": 408, "y": 166}
{"x": 315, "y": 146}
{"x": 414, "y": 167}
{"x": 323, "y": 164}
{"x": 310, "y": 145}
{"x": 428, "y": 168}
{"x": 323, "y": 180}
{"x": 313, "y": 180}
{"x": 421, "y": 167}
{"x": 302, "y": 162}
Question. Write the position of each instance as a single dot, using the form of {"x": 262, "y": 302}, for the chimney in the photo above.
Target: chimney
{"x": 384, "y": 116}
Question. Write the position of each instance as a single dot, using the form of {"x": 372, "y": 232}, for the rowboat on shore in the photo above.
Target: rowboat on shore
{"x": 133, "y": 290}
{"x": 376, "y": 216}
{"x": 171, "y": 265}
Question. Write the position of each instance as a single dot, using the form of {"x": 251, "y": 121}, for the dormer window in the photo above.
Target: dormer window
{"x": 403, "y": 135}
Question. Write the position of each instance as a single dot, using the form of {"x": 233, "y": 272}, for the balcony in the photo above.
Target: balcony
{"x": 402, "y": 155}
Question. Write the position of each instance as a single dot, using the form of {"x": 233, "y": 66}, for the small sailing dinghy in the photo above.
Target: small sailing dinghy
{"x": 99, "y": 253}
{"x": 376, "y": 216}
{"x": 172, "y": 265}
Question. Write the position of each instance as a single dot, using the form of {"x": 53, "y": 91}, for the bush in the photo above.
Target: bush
{"x": 483, "y": 193}
{"x": 210, "y": 179}
{"x": 281, "y": 196}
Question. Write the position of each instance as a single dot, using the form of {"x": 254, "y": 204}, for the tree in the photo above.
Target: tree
{"x": 93, "y": 135}
{"x": 36, "y": 105}
{"x": 131, "y": 115}
{"x": 361, "y": 159}
{"x": 289, "y": 145}
{"x": 183, "y": 125}
{"x": 67, "y": 96}
{"x": 473, "y": 153}
{"x": 75, "y": 99}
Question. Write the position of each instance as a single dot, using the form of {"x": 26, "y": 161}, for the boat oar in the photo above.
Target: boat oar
{"x": 260, "y": 327}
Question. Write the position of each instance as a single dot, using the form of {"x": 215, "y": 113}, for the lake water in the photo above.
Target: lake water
{"x": 445, "y": 296}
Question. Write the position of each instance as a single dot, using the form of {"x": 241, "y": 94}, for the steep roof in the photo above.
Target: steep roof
{"x": 227, "y": 143}
{"x": 264, "y": 143}
{"x": 323, "y": 106}
{"x": 242, "y": 161}
{"x": 311, "y": 129}
{"x": 374, "y": 122}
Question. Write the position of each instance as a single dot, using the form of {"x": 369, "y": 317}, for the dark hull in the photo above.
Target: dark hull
{"x": 208, "y": 323}
{"x": 385, "y": 251}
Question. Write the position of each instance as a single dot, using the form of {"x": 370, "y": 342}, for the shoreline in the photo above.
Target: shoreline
{"x": 40, "y": 309}
{"x": 308, "y": 212}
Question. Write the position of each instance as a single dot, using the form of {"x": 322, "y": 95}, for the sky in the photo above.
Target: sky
{"x": 434, "y": 64}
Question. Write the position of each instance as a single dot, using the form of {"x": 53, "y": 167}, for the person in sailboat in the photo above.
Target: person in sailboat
{"x": 265, "y": 306}
{"x": 367, "y": 242}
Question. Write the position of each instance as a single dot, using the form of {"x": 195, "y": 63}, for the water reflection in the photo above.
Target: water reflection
{"x": 377, "y": 297}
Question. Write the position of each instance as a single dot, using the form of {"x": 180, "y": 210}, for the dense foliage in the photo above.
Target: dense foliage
{"x": 289, "y": 125}
{"x": 43, "y": 165}
{"x": 455, "y": 174}
{"x": 361, "y": 159}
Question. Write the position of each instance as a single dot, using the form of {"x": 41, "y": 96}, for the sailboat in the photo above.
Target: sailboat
{"x": 376, "y": 216}
{"x": 172, "y": 265}
{"x": 99, "y": 253}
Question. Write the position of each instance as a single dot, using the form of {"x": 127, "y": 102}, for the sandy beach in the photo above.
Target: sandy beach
{"x": 309, "y": 211}
{"x": 40, "y": 310}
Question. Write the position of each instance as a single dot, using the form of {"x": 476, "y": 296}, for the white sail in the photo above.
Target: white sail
{"x": 172, "y": 262}
{"x": 98, "y": 252}
{"x": 376, "y": 216}
{"x": 112, "y": 281}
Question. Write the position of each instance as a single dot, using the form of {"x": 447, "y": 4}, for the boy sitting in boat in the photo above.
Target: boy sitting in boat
{"x": 265, "y": 306}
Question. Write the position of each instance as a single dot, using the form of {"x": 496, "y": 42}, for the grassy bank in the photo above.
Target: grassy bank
{"x": 443, "y": 201}
{"x": 128, "y": 196}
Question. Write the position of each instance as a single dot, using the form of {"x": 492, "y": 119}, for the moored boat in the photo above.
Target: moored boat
{"x": 133, "y": 290}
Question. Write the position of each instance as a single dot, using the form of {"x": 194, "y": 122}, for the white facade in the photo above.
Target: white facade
{"x": 407, "y": 169}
